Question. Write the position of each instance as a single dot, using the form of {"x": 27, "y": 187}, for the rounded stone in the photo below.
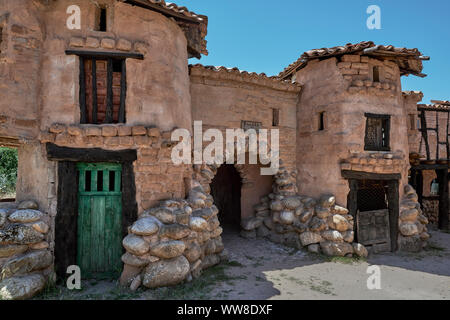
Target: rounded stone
{"x": 145, "y": 226}
{"x": 306, "y": 216}
{"x": 291, "y": 203}
{"x": 287, "y": 217}
{"x": 193, "y": 252}
{"x": 308, "y": 238}
{"x": 332, "y": 235}
{"x": 339, "y": 223}
{"x": 340, "y": 210}
{"x": 36, "y": 260}
{"x": 360, "y": 250}
{"x": 198, "y": 224}
{"x": 276, "y": 206}
{"x": 339, "y": 249}
{"x": 327, "y": 201}
{"x": 3, "y": 216}
{"x": 25, "y": 216}
{"x": 133, "y": 260}
{"x": 322, "y": 213}
{"x": 166, "y": 272}
{"x": 408, "y": 229}
{"x": 409, "y": 215}
{"x": 40, "y": 226}
{"x": 251, "y": 223}
{"x": 20, "y": 234}
{"x": 19, "y": 288}
{"x": 163, "y": 214}
{"x": 135, "y": 245}
{"x": 28, "y": 204}
{"x": 10, "y": 250}
{"x": 174, "y": 231}
{"x": 168, "y": 249}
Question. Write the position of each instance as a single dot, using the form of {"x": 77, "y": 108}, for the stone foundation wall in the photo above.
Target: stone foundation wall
{"x": 288, "y": 218}
{"x": 173, "y": 242}
{"x": 26, "y": 262}
{"x": 412, "y": 223}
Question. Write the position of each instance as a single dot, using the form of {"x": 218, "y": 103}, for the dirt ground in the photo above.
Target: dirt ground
{"x": 259, "y": 269}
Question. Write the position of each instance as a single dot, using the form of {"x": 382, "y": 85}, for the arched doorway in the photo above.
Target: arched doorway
{"x": 226, "y": 191}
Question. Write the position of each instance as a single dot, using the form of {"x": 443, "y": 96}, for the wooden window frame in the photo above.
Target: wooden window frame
{"x": 109, "y": 99}
{"x": 105, "y": 55}
{"x": 384, "y": 117}
{"x": 275, "y": 117}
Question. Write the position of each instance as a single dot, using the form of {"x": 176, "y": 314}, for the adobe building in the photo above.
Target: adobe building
{"x": 92, "y": 109}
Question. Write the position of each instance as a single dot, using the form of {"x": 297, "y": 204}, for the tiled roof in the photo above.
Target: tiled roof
{"x": 171, "y": 7}
{"x": 235, "y": 74}
{"x": 435, "y": 106}
{"x": 362, "y": 48}
{"x": 417, "y": 94}
{"x": 185, "y": 18}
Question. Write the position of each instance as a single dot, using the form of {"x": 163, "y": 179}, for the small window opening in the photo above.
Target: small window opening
{"x": 8, "y": 173}
{"x": 117, "y": 65}
{"x": 412, "y": 122}
{"x": 1, "y": 38}
{"x": 87, "y": 185}
{"x": 100, "y": 181}
{"x": 102, "y": 20}
{"x": 112, "y": 180}
{"x": 321, "y": 121}
{"x": 275, "y": 117}
{"x": 376, "y": 74}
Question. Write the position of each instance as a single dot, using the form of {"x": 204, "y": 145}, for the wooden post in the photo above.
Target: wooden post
{"x": 352, "y": 202}
{"x": 94, "y": 91}
{"x": 82, "y": 93}
{"x": 123, "y": 91}
{"x": 424, "y": 130}
{"x": 393, "y": 201}
{"x": 443, "y": 198}
{"x": 109, "y": 93}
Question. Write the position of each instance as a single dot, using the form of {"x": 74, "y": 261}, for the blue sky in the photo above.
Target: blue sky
{"x": 266, "y": 36}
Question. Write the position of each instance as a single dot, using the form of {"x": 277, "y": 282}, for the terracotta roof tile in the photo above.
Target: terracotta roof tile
{"x": 239, "y": 75}
{"x": 357, "y": 48}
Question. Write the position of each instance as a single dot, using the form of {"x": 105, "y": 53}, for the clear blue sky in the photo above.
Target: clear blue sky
{"x": 266, "y": 36}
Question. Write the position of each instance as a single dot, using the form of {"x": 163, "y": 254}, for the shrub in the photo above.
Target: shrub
{"x": 8, "y": 170}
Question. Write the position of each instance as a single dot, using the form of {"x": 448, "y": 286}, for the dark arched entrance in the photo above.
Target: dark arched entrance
{"x": 226, "y": 191}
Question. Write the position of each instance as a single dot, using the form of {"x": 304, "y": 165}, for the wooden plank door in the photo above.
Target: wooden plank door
{"x": 99, "y": 219}
{"x": 373, "y": 229}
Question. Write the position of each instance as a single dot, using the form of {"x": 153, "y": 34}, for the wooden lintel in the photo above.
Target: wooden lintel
{"x": 56, "y": 153}
{"x": 105, "y": 54}
{"x": 359, "y": 175}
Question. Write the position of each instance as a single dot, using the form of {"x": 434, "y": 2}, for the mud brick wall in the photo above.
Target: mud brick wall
{"x": 327, "y": 88}
{"x": 157, "y": 178}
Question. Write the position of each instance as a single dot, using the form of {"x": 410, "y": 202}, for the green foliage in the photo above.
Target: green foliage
{"x": 8, "y": 170}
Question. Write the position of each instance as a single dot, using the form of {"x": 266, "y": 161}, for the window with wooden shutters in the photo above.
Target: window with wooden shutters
{"x": 377, "y": 132}
{"x": 102, "y": 90}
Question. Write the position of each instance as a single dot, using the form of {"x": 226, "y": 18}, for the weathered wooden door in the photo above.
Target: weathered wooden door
{"x": 373, "y": 229}
{"x": 99, "y": 219}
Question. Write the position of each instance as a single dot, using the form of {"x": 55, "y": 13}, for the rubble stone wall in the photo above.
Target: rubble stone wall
{"x": 26, "y": 262}
{"x": 173, "y": 242}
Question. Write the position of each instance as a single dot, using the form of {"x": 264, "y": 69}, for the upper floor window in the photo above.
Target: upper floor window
{"x": 321, "y": 123}
{"x": 101, "y": 19}
{"x": 275, "y": 117}
{"x": 376, "y": 74}
{"x": 377, "y": 132}
{"x": 102, "y": 90}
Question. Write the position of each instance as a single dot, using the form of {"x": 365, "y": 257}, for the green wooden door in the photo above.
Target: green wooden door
{"x": 99, "y": 219}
